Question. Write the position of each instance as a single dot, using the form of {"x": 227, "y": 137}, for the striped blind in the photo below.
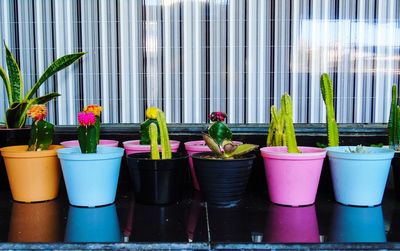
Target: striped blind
{"x": 191, "y": 57}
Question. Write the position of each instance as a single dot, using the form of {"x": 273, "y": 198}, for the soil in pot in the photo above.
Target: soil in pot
{"x": 157, "y": 181}
{"x": 223, "y": 182}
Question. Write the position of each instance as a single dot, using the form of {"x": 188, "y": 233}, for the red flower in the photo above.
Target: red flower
{"x": 217, "y": 116}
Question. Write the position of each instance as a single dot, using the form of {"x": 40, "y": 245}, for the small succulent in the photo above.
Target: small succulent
{"x": 357, "y": 149}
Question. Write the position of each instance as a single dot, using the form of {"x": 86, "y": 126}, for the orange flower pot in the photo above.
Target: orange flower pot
{"x": 33, "y": 175}
{"x": 36, "y": 222}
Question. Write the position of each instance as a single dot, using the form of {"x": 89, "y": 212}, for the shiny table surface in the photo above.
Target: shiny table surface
{"x": 192, "y": 224}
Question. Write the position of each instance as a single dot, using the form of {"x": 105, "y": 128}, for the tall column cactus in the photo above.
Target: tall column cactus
{"x": 87, "y": 132}
{"x": 394, "y": 124}
{"x": 327, "y": 94}
{"x": 160, "y": 126}
{"x": 41, "y": 131}
{"x": 153, "y": 133}
{"x": 287, "y": 112}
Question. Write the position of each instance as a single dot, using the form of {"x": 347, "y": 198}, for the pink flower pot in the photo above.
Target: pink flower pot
{"x": 103, "y": 142}
{"x": 293, "y": 178}
{"x": 198, "y": 146}
{"x": 134, "y": 146}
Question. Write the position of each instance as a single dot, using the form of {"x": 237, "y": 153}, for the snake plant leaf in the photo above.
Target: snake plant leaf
{"x": 16, "y": 114}
{"x": 7, "y": 85}
{"x": 56, "y": 66}
{"x": 42, "y": 100}
{"x": 15, "y": 77}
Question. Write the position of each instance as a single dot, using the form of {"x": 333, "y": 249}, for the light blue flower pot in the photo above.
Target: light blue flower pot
{"x": 93, "y": 225}
{"x": 359, "y": 179}
{"x": 357, "y": 224}
{"x": 91, "y": 179}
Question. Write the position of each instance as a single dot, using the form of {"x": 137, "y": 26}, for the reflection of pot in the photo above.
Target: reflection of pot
{"x": 289, "y": 224}
{"x": 357, "y": 224}
{"x": 36, "y": 222}
{"x": 93, "y": 225}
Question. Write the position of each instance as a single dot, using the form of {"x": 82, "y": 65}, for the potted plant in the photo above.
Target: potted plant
{"x": 14, "y": 131}
{"x": 223, "y": 174}
{"x": 359, "y": 174}
{"x": 292, "y": 172}
{"x": 394, "y": 140}
{"x": 143, "y": 144}
{"x": 96, "y": 110}
{"x": 33, "y": 170}
{"x": 217, "y": 130}
{"x": 90, "y": 171}
{"x": 157, "y": 180}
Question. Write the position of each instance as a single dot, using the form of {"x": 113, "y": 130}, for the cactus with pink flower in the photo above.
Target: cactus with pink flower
{"x": 87, "y": 132}
{"x": 41, "y": 131}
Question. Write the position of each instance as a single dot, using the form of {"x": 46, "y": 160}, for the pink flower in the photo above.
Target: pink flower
{"x": 217, "y": 116}
{"x": 86, "y": 119}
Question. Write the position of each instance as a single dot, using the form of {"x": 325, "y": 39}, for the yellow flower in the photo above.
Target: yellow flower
{"x": 95, "y": 109}
{"x": 151, "y": 112}
{"x": 37, "y": 112}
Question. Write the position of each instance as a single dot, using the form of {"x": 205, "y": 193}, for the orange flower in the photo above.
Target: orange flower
{"x": 95, "y": 109}
{"x": 37, "y": 112}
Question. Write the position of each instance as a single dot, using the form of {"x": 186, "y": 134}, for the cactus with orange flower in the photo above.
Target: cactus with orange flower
{"x": 96, "y": 110}
{"x": 41, "y": 131}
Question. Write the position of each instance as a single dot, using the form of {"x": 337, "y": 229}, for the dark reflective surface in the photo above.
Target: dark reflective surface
{"x": 254, "y": 220}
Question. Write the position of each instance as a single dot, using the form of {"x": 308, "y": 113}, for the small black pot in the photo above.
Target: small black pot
{"x": 11, "y": 137}
{"x": 223, "y": 182}
{"x": 396, "y": 174}
{"x": 157, "y": 182}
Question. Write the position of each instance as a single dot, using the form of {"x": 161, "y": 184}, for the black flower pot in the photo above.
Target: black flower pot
{"x": 396, "y": 174}
{"x": 223, "y": 182}
{"x": 157, "y": 182}
{"x": 11, "y": 137}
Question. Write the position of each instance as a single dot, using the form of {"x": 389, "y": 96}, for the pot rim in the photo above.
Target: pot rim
{"x": 280, "y": 152}
{"x": 20, "y": 151}
{"x": 103, "y": 153}
{"x": 378, "y": 153}
{"x": 136, "y": 156}
{"x": 249, "y": 156}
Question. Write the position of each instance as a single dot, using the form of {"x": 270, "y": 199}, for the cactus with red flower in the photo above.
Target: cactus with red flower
{"x": 218, "y": 130}
{"x": 41, "y": 131}
{"x": 87, "y": 132}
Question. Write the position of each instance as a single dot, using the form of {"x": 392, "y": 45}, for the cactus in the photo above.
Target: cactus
{"x": 394, "y": 123}
{"x": 87, "y": 132}
{"x": 41, "y": 131}
{"x": 96, "y": 110}
{"x": 164, "y": 137}
{"x": 327, "y": 94}
{"x": 281, "y": 130}
{"x": 231, "y": 151}
{"x": 151, "y": 117}
{"x": 153, "y": 133}
{"x": 218, "y": 129}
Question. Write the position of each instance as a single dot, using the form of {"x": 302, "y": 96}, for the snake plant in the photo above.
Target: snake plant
{"x": 19, "y": 104}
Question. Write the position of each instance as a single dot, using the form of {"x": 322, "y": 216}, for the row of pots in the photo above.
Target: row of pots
{"x": 358, "y": 178}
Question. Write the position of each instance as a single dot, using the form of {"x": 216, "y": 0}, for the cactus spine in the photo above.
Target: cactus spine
{"x": 41, "y": 135}
{"x": 327, "y": 94}
{"x": 281, "y": 129}
{"x": 394, "y": 124}
{"x": 153, "y": 133}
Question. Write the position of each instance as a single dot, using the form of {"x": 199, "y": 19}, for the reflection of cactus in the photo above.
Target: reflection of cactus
{"x": 327, "y": 95}
{"x": 281, "y": 130}
{"x": 218, "y": 130}
{"x": 41, "y": 131}
{"x": 87, "y": 132}
{"x": 153, "y": 133}
{"x": 394, "y": 123}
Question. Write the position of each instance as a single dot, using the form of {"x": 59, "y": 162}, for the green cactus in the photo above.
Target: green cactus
{"x": 231, "y": 151}
{"x": 41, "y": 135}
{"x": 276, "y": 135}
{"x": 394, "y": 124}
{"x": 287, "y": 112}
{"x": 219, "y": 131}
{"x": 87, "y": 139}
{"x": 144, "y": 131}
{"x": 164, "y": 137}
{"x": 153, "y": 133}
{"x": 97, "y": 126}
{"x": 327, "y": 94}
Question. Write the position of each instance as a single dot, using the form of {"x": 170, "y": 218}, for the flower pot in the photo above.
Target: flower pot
{"x": 291, "y": 224}
{"x": 223, "y": 182}
{"x": 91, "y": 179}
{"x": 359, "y": 179}
{"x": 357, "y": 224}
{"x": 197, "y": 146}
{"x": 134, "y": 146}
{"x": 93, "y": 225}
{"x": 36, "y": 222}
{"x": 33, "y": 175}
{"x": 157, "y": 181}
{"x": 102, "y": 142}
{"x": 292, "y": 178}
